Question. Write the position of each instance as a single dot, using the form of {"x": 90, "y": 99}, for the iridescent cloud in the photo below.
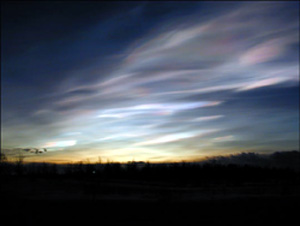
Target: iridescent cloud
{"x": 118, "y": 88}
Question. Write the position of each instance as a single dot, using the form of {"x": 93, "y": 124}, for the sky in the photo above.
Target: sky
{"x": 148, "y": 81}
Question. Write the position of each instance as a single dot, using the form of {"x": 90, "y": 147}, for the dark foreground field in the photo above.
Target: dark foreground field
{"x": 242, "y": 211}
{"x": 149, "y": 195}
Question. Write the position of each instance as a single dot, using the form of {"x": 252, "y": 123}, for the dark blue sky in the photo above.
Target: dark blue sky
{"x": 150, "y": 81}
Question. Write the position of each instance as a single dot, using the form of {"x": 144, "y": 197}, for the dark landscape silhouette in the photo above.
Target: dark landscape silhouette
{"x": 256, "y": 188}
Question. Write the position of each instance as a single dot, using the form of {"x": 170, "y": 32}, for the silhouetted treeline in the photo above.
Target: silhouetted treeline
{"x": 175, "y": 173}
{"x": 287, "y": 159}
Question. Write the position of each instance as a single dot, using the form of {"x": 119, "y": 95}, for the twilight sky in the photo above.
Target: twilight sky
{"x": 149, "y": 80}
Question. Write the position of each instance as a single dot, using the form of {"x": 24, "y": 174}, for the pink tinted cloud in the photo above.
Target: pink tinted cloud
{"x": 263, "y": 52}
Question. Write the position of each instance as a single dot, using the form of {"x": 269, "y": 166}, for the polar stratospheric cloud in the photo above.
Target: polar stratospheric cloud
{"x": 149, "y": 81}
